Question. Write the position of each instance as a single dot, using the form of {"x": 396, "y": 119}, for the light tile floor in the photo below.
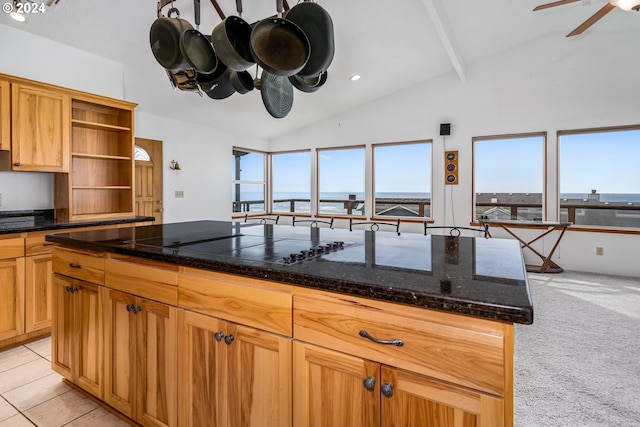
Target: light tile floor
{"x": 33, "y": 394}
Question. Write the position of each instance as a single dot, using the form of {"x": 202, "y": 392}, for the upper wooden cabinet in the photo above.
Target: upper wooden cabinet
{"x": 100, "y": 183}
{"x": 40, "y": 128}
{"x": 5, "y": 115}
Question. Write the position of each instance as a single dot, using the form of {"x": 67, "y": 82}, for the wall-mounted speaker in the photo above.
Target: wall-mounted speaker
{"x": 451, "y": 168}
{"x": 445, "y": 129}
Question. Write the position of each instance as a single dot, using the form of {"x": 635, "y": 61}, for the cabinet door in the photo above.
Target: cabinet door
{"x": 157, "y": 364}
{"x": 38, "y": 288}
{"x": 260, "y": 382}
{"x": 40, "y": 129}
{"x": 412, "y": 400}
{"x": 119, "y": 351}
{"x": 11, "y": 297}
{"x": 5, "y": 115}
{"x": 89, "y": 348}
{"x": 202, "y": 371}
{"x": 329, "y": 388}
{"x": 63, "y": 332}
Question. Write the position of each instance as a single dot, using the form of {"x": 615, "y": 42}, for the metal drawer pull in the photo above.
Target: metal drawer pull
{"x": 387, "y": 389}
{"x": 219, "y": 336}
{"x": 132, "y": 307}
{"x": 369, "y": 383}
{"x": 229, "y": 339}
{"x": 72, "y": 265}
{"x": 396, "y": 341}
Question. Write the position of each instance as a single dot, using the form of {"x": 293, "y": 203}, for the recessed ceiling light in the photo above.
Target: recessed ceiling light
{"x": 354, "y": 77}
{"x": 17, "y": 16}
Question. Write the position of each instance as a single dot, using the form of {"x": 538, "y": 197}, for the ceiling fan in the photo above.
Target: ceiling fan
{"x": 622, "y": 4}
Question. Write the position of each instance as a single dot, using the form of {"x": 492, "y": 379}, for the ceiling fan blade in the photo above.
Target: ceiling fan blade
{"x": 554, "y": 4}
{"x": 594, "y": 18}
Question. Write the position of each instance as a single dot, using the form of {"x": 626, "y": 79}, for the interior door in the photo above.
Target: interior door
{"x": 149, "y": 179}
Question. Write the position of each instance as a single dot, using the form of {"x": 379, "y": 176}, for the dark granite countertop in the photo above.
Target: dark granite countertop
{"x": 472, "y": 276}
{"x": 43, "y": 220}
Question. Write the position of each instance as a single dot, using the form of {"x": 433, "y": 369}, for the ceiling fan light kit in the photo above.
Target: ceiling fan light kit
{"x": 295, "y": 46}
{"x": 627, "y": 5}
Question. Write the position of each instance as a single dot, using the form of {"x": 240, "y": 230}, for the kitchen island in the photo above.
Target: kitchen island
{"x": 223, "y": 323}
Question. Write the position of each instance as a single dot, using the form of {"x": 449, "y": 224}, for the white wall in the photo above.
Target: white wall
{"x": 531, "y": 88}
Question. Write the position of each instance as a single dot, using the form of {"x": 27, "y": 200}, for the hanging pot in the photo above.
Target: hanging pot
{"x": 217, "y": 84}
{"x": 277, "y": 94}
{"x": 318, "y": 27}
{"x": 241, "y": 81}
{"x": 279, "y": 46}
{"x": 231, "y": 40}
{"x": 198, "y": 51}
{"x": 164, "y": 37}
{"x": 308, "y": 84}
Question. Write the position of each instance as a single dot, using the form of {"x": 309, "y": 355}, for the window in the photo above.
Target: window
{"x": 141, "y": 154}
{"x": 600, "y": 177}
{"x": 402, "y": 179}
{"x": 249, "y": 183}
{"x": 291, "y": 182}
{"x": 509, "y": 176}
{"x": 341, "y": 181}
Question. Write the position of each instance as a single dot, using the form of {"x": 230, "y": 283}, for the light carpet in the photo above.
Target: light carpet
{"x": 579, "y": 363}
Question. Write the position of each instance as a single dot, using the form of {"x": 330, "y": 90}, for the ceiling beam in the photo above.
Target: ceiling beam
{"x": 443, "y": 28}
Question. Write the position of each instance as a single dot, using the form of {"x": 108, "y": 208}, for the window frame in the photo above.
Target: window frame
{"x": 545, "y": 192}
{"x": 318, "y": 152}
{"x": 588, "y": 227}
{"x": 264, "y": 182}
{"x": 374, "y": 215}
{"x": 270, "y": 183}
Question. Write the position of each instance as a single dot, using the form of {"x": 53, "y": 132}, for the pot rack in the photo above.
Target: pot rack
{"x": 276, "y": 90}
{"x": 216, "y": 6}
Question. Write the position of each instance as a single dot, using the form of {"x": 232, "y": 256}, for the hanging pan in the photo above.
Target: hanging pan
{"x": 308, "y": 84}
{"x": 318, "y": 26}
{"x": 231, "y": 39}
{"x": 279, "y": 46}
{"x": 164, "y": 37}
{"x": 196, "y": 48}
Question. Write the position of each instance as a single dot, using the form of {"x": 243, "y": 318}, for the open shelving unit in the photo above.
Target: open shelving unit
{"x": 100, "y": 184}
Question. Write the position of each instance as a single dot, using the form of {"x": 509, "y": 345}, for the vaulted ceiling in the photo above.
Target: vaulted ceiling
{"x": 393, "y": 45}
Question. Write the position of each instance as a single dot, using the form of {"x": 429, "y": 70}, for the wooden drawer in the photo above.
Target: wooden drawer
{"x": 463, "y": 351}
{"x": 80, "y": 265}
{"x": 251, "y": 305}
{"x": 156, "y": 282}
{"x": 36, "y": 244}
{"x": 11, "y": 247}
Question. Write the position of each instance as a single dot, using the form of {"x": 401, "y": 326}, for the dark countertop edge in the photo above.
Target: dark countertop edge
{"x": 451, "y": 305}
{"x": 69, "y": 225}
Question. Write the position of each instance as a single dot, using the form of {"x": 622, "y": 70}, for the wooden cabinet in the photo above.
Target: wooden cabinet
{"x": 232, "y": 375}
{"x": 38, "y": 289}
{"x": 5, "y": 116}
{"x": 329, "y": 389}
{"x": 11, "y": 287}
{"x": 77, "y": 333}
{"x": 40, "y": 128}
{"x": 140, "y": 358}
{"x": 100, "y": 183}
{"x": 424, "y": 368}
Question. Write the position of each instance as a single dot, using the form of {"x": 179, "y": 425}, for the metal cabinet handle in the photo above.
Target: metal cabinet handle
{"x": 229, "y": 339}
{"x": 219, "y": 336}
{"x": 369, "y": 383}
{"x": 396, "y": 341}
{"x": 72, "y": 265}
{"x": 387, "y": 389}
{"x": 17, "y": 164}
{"x": 134, "y": 308}
{"x": 72, "y": 289}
